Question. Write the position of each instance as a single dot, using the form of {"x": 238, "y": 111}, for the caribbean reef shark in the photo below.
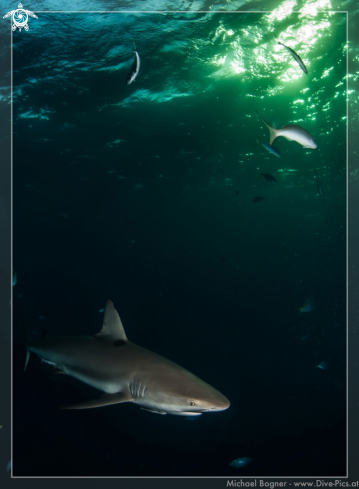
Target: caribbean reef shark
{"x": 125, "y": 372}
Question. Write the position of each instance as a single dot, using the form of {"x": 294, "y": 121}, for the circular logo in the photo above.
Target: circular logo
{"x": 20, "y": 18}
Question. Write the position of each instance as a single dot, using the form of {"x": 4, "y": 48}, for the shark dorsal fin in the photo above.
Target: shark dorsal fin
{"x": 112, "y": 327}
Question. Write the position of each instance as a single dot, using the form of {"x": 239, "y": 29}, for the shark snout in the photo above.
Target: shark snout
{"x": 221, "y": 404}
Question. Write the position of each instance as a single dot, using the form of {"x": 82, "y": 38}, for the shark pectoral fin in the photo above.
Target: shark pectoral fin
{"x": 153, "y": 411}
{"x": 104, "y": 400}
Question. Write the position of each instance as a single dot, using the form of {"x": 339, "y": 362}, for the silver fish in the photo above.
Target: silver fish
{"x": 240, "y": 462}
{"x": 296, "y": 56}
{"x": 292, "y": 132}
{"x": 323, "y": 365}
{"x": 125, "y": 372}
{"x": 270, "y": 148}
{"x": 135, "y": 68}
{"x": 308, "y": 306}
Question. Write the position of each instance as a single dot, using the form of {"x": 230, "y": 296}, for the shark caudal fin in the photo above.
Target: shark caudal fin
{"x": 273, "y": 133}
{"x": 28, "y": 339}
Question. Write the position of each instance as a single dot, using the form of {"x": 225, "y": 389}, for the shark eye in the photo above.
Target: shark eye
{"x": 192, "y": 403}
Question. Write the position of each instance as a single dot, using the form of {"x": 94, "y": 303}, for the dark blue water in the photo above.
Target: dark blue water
{"x": 143, "y": 194}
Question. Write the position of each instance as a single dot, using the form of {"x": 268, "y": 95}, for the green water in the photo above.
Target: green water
{"x": 143, "y": 194}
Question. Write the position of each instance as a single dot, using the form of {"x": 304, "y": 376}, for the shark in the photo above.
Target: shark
{"x": 125, "y": 372}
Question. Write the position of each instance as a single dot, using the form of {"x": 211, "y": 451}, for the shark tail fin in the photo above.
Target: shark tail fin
{"x": 28, "y": 338}
{"x": 273, "y": 132}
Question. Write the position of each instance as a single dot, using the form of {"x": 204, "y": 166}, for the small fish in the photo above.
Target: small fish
{"x": 323, "y": 365}
{"x": 237, "y": 192}
{"x": 8, "y": 467}
{"x": 268, "y": 178}
{"x": 258, "y": 199}
{"x": 320, "y": 190}
{"x": 309, "y": 305}
{"x": 292, "y": 132}
{"x": 101, "y": 310}
{"x": 240, "y": 462}
{"x": 270, "y": 148}
{"x": 135, "y": 68}
{"x": 305, "y": 337}
{"x": 297, "y": 58}
{"x": 14, "y": 279}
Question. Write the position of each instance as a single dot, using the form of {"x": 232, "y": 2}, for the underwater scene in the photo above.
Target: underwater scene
{"x": 185, "y": 172}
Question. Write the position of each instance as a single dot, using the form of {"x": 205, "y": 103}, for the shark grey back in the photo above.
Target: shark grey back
{"x": 125, "y": 372}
